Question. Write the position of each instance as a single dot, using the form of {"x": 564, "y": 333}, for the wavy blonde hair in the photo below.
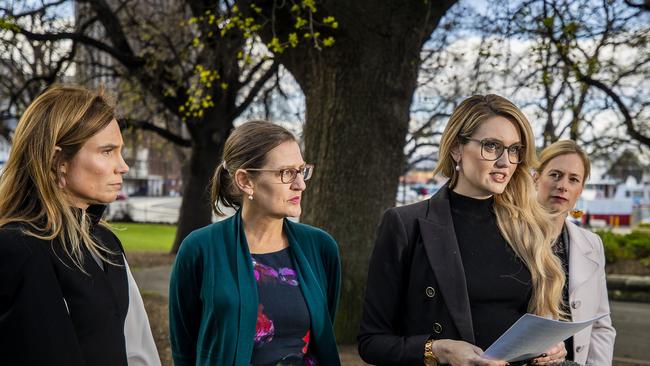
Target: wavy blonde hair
{"x": 64, "y": 116}
{"x": 523, "y": 222}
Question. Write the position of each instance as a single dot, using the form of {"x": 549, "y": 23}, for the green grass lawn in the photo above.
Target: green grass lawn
{"x": 145, "y": 237}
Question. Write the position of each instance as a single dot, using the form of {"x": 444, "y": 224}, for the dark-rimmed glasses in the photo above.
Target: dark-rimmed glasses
{"x": 289, "y": 175}
{"x": 492, "y": 150}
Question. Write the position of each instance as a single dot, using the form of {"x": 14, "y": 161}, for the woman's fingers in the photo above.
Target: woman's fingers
{"x": 549, "y": 359}
{"x": 553, "y": 355}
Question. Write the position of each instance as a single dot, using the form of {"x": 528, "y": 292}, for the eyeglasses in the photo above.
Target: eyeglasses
{"x": 289, "y": 175}
{"x": 492, "y": 150}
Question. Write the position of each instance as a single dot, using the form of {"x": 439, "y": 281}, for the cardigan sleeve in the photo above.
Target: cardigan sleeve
{"x": 379, "y": 342}
{"x": 185, "y": 307}
{"x": 35, "y": 327}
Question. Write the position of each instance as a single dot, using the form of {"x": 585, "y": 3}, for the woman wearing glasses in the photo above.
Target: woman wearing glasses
{"x": 449, "y": 275}
{"x": 256, "y": 288}
{"x": 563, "y": 170}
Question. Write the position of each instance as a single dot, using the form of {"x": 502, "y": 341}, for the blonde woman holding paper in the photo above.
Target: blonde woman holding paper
{"x": 450, "y": 274}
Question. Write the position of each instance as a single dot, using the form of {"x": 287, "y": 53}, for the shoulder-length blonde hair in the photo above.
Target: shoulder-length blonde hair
{"x": 63, "y": 117}
{"x": 523, "y": 222}
{"x": 564, "y": 147}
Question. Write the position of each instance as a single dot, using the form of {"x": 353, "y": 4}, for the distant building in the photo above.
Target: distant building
{"x": 610, "y": 201}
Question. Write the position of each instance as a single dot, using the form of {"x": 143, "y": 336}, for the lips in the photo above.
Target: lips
{"x": 295, "y": 200}
{"x": 499, "y": 177}
{"x": 559, "y": 198}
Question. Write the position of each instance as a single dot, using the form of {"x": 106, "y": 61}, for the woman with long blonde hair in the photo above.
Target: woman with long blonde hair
{"x": 449, "y": 275}
{"x": 67, "y": 296}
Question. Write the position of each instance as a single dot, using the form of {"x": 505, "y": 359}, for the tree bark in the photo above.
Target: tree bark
{"x": 195, "y": 211}
{"x": 358, "y": 95}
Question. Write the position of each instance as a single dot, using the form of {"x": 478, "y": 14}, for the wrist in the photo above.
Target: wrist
{"x": 430, "y": 355}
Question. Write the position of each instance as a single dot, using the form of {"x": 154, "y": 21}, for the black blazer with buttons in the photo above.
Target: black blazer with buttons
{"x": 416, "y": 285}
{"x": 51, "y": 313}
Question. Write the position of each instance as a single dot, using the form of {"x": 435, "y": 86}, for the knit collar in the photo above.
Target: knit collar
{"x": 465, "y": 203}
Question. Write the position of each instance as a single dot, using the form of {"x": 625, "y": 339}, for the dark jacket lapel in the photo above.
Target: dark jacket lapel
{"x": 441, "y": 246}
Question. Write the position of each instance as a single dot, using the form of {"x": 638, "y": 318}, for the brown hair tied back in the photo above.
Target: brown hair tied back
{"x": 246, "y": 147}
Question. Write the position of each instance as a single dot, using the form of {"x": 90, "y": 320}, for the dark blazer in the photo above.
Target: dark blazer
{"x": 51, "y": 313}
{"x": 416, "y": 285}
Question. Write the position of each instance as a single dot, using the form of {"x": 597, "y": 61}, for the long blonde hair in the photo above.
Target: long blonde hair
{"x": 62, "y": 117}
{"x": 523, "y": 222}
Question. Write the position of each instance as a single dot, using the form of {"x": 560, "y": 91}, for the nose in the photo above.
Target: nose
{"x": 299, "y": 183}
{"x": 503, "y": 161}
{"x": 122, "y": 167}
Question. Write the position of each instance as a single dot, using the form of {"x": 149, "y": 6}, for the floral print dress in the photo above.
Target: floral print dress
{"x": 283, "y": 322}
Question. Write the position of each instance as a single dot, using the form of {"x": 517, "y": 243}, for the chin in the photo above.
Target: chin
{"x": 293, "y": 213}
{"x": 558, "y": 208}
{"x": 105, "y": 200}
{"x": 496, "y": 188}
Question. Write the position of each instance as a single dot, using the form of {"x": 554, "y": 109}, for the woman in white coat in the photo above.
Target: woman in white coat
{"x": 564, "y": 168}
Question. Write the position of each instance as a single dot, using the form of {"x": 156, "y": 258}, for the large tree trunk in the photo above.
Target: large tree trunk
{"x": 357, "y": 147}
{"x": 195, "y": 211}
{"x": 358, "y": 96}
{"x": 195, "y": 206}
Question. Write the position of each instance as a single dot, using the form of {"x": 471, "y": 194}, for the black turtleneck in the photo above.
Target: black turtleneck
{"x": 498, "y": 282}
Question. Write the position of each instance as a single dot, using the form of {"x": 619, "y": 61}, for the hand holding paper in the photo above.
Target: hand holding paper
{"x": 529, "y": 336}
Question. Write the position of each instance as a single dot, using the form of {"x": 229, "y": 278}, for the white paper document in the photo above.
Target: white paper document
{"x": 531, "y": 335}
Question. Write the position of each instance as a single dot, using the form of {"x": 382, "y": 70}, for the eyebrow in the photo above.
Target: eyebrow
{"x": 500, "y": 141}
{"x": 291, "y": 166}
{"x": 560, "y": 171}
{"x": 108, "y": 146}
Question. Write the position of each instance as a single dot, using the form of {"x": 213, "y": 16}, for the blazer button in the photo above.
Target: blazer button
{"x": 437, "y": 328}
{"x": 576, "y": 304}
{"x": 430, "y": 291}
{"x": 579, "y": 348}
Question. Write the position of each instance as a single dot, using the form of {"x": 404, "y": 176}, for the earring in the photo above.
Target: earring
{"x": 457, "y": 167}
{"x": 250, "y": 196}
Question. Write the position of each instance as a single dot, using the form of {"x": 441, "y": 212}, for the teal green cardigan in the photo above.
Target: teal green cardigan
{"x": 213, "y": 294}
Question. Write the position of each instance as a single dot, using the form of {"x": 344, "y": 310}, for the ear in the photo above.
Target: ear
{"x": 456, "y": 152}
{"x": 61, "y": 183}
{"x": 535, "y": 177}
{"x": 244, "y": 182}
{"x": 61, "y": 169}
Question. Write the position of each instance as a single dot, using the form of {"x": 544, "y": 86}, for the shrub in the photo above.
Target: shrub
{"x": 612, "y": 243}
{"x": 638, "y": 244}
{"x": 635, "y": 245}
